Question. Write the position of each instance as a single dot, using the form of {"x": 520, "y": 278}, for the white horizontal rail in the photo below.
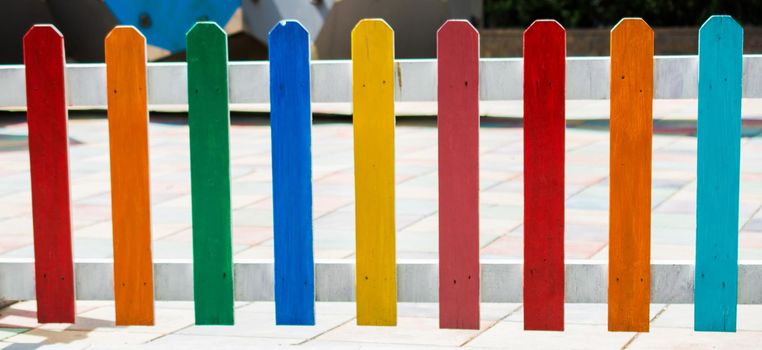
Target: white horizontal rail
{"x": 417, "y": 280}
{"x": 675, "y": 77}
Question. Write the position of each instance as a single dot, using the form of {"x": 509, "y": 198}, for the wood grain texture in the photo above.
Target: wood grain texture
{"x": 291, "y": 121}
{"x": 458, "y": 128}
{"x": 130, "y": 188}
{"x": 209, "y": 122}
{"x": 630, "y": 166}
{"x": 719, "y": 147}
{"x": 373, "y": 121}
{"x": 544, "y": 127}
{"x": 44, "y": 61}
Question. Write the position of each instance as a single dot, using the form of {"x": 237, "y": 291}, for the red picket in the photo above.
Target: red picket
{"x": 544, "y": 124}
{"x": 458, "y": 125}
{"x": 48, "y": 154}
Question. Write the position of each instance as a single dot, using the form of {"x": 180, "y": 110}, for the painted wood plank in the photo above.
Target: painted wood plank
{"x": 291, "y": 121}
{"x": 632, "y": 49}
{"x": 373, "y": 121}
{"x": 209, "y": 121}
{"x": 130, "y": 193}
{"x": 458, "y": 128}
{"x": 44, "y": 61}
{"x": 719, "y": 148}
{"x": 544, "y": 127}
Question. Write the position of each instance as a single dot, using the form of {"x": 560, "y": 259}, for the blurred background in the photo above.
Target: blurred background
{"x": 85, "y": 23}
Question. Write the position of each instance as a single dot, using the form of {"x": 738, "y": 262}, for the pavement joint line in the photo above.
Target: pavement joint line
{"x": 635, "y": 337}
{"x": 509, "y": 178}
{"x": 326, "y": 331}
{"x": 598, "y": 251}
{"x": 654, "y": 208}
{"x": 667, "y": 144}
{"x": 425, "y": 173}
{"x": 315, "y": 179}
{"x": 480, "y": 332}
{"x": 572, "y": 149}
{"x": 190, "y": 325}
{"x": 402, "y": 228}
{"x": 630, "y": 341}
{"x": 330, "y": 212}
{"x": 602, "y": 179}
{"x": 245, "y": 206}
{"x": 494, "y": 240}
{"x": 751, "y": 217}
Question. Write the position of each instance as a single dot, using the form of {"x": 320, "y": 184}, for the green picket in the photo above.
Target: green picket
{"x": 209, "y": 122}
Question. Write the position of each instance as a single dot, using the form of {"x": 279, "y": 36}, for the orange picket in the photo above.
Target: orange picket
{"x": 130, "y": 199}
{"x": 632, "y": 50}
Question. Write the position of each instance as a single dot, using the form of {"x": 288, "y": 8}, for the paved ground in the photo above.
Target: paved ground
{"x": 501, "y": 234}
{"x": 674, "y": 187}
{"x": 501, "y": 327}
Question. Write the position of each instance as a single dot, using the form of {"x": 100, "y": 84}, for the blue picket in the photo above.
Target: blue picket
{"x": 719, "y": 143}
{"x": 290, "y": 120}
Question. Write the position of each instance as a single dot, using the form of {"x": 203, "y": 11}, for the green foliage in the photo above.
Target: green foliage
{"x": 606, "y": 13}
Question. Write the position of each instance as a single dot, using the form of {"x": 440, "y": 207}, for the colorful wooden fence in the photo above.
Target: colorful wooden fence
{"x": 373, "y": 79}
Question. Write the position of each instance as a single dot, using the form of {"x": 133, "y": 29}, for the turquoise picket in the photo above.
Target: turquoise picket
{"x": 291, "y": 120}
{"x": 719, "y": 143}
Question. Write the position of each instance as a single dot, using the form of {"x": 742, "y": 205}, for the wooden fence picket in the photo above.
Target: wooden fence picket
{"x": 458, "y": 128}
{"x": 373, "y": 121}
{"x": 632, "y": 51}
{"x": 717, "y": 192}
{"x": 544, "y": 127}
{"x": 130, "y": 187}
{"x": 291, "y": 122}
{"x": 209, "y": 122}
{"x": 44, "y": 62}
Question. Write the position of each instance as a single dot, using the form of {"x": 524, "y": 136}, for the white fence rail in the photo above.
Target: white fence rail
{"x": 675, "y": 77}
{"x": 417, "y": 280}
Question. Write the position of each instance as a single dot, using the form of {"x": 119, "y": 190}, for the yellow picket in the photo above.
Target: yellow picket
{"x": 373, "y": 103}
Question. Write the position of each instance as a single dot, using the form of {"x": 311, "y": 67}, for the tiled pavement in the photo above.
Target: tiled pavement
{"x": 673, "y": 191}
{"x": 501, "y": 218}
{"x": 417, "y": 328}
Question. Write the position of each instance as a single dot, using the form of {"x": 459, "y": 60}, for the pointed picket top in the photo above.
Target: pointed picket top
{"x": 44, "y": 36}
{"x": 545, "y": 26}
{"x": 124, "y": 36}
{"x": 127, "y": 32}
{"x": 45, "y": 31}
{"x": 205, "y": 28}
{"x": 629, "y": 25}
{"x": 457, "y": 25}
{"x": 370, "y": 26}
{"x": 289, "y": 25}
{"x": 367, "y": 23}
{"x": 720, "y": 23}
